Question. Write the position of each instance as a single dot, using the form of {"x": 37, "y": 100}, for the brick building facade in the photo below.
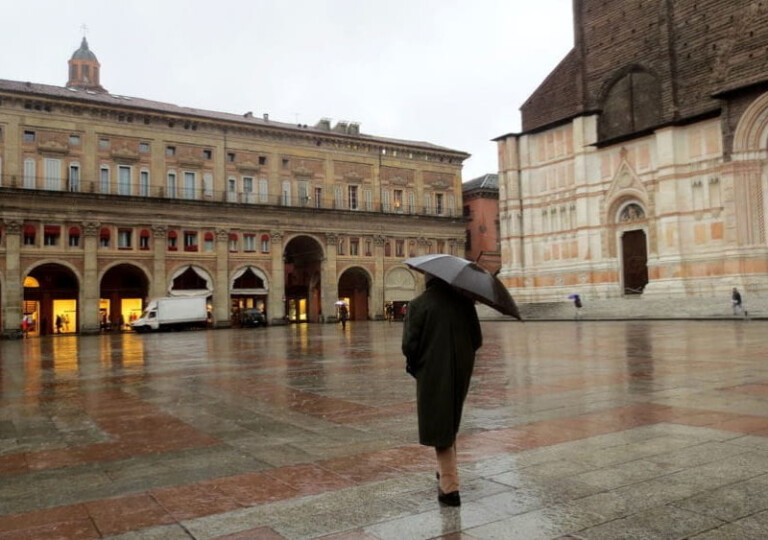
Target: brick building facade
{"x": 107, "y": 200}
{"x": 481, "y": 210}
{"x": 641, "y": 165}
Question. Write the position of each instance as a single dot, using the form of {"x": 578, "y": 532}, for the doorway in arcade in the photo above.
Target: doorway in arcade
{"x": 354, "y": 288}
{"x": 303, "y": 256}
{"x": 123, "y": 289}
{"x": 248, "y": 291}
{"x": 50, "y": 300}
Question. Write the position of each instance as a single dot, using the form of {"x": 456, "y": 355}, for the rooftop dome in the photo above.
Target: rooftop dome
{"x": 84, "y": 53}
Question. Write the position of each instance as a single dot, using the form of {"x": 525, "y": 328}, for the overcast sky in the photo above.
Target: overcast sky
{"x": 448, "y": 72}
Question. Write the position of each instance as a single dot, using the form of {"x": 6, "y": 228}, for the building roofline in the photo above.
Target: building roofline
{"x": 30, "y": 90}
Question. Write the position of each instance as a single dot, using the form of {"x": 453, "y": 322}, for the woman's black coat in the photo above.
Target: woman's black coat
{"x": 440, "y": 336}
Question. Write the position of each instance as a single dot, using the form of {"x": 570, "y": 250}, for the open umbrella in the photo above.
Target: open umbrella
{"x": 572, "y": 296}
{"x": 468, "y": 277}
{"x": 340, "y": 303}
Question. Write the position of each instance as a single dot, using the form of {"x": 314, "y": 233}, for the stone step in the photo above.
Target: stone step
{"x": 636, "y": 307}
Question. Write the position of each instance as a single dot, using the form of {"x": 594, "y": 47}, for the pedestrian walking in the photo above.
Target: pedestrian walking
{"x": 577, "y": 305}
{"x": 440, "y": 337}
{"x": 738, "y": 306}
{"x": 343, "y": 315}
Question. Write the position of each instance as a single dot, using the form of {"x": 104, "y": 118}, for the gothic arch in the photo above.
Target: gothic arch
{"x": 630, "y": 101}
{"x": 752, "y": 130}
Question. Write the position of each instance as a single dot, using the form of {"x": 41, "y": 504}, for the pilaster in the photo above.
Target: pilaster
{"x": 221, "y": 302}
{"x": 89, "y": 291}
{"x": 159, "y": 240}
{"x": 329, "y": 291}
{"x": 13, "y": 292}
{"x": 276, "y": 298}
{"x": 376, "y": 304}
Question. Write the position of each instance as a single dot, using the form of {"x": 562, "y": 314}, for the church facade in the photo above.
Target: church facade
{"x": 641, "y": 167}
{"x": 107, "y": 201}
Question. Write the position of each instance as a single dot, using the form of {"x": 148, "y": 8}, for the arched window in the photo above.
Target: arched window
{"x": 632, "y": 104}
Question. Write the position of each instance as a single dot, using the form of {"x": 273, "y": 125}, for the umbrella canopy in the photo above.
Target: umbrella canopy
{"x": 340, "y": 303}
{"x": 572, "y": 296}
{"x": 468, "y": 277}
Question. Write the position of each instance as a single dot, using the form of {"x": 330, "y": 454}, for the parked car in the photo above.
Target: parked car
{"x": 253, "y": 318}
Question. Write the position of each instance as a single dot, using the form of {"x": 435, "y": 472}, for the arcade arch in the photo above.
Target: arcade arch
{"x": 248, "y": 288}
{"x": 354, "y": 289}
{"x": 122, "y": 291}
{"x": 51, "y": 292}
{"x": 303, "y": 256}
{"x": 399, "y": 288}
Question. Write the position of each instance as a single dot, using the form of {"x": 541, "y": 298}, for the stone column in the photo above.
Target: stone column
{"x": 276, "y": 297}
{"x": 329, "y": 291}
{"x": 221, "y": 302}
{"x": 376, "y": 305}
{"x": 90, "y": 287}
{"x": 159, "y": 280}
{"x": 13, "y": 295}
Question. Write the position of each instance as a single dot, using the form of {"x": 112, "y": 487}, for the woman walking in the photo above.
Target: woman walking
{"x": 440, "y": 337}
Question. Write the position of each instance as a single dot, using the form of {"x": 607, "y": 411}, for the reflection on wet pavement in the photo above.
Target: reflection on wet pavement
{"x": 572, "y": 429}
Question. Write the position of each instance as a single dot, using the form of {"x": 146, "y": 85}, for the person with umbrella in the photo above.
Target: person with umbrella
{"x": 577, "y": 304}
{"x": 440, "y": 337}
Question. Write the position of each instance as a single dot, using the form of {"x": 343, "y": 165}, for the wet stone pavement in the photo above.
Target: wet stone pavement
{"x": 594, "y": 430}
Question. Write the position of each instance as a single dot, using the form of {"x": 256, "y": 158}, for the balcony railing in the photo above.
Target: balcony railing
{"x": 198, "y": 193}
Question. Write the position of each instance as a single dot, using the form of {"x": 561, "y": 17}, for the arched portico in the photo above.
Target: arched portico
{"x": 355, "y": 289}
{"x": 123, "y": 289}
{"x": 51, "y": 292}
{"x": 248, "y": 288}
{"x": 303, "y": 257}
{"x": 400, "y": 287}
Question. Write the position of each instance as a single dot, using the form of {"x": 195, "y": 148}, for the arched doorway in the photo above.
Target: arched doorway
{"x": 399, "y": 289}
{"x": 193, "y": 280}
{"x": 123, "y": 289}
{"x": 248, "y": 290}
{"x": 354, "y": 289}
{"x": 50, "y": 299}
{"x": 303, "y": 256}
{"x": 634, "y": 255}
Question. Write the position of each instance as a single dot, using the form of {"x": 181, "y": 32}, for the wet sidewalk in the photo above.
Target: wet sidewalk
{"x": 595, "y": 430}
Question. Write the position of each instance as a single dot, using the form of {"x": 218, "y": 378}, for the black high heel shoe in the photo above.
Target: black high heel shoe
{"x": 448, "y": 499}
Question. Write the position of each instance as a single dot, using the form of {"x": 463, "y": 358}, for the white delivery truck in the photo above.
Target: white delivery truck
{"x": 173, "y": 313}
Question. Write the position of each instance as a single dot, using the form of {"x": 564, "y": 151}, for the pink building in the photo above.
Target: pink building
{"x": 481, "y": 210}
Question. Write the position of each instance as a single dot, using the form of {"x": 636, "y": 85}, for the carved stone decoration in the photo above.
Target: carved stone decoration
{"x": 302, "y": 171}
{"x": 91, "y": 228}
{"x": 124, "y": 154}
{"x": 422, "y": 242}
{"x": 159, "y": 230}
{"x": 440, "y": 185}
{"x": 191, "y": 161}
{"x": 12, "y": 226}
{"x": 631, "y": 212}
{"x": 353, "y": 177}
{"x": 222, "y": 235}
{"x": 400, "y": 278}
{"x": 331, "y": 239}
{"x": 248, "y": 167}
{"x": 379, "y": 240}
{"x": 53, "y": 147}
{"x": 276, "y": 237}
{"x": 398, "y": 181}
